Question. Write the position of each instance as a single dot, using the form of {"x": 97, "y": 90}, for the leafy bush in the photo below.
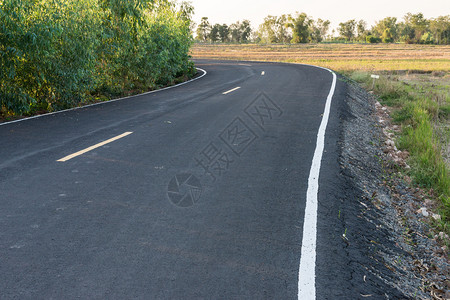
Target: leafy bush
{"x": 56, "y": 54}
{"x": 372, "y": 39}
{"x": 387, "y": 36}
{"x": 427, "y": 38}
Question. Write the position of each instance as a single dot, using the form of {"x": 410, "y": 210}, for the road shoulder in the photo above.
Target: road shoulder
{"x": 385, "y": 240}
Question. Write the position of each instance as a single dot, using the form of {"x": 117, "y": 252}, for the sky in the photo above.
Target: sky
{"x": 230, "y": 11}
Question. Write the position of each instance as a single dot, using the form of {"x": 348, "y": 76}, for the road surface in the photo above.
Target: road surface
{"x": 197, "y": 191}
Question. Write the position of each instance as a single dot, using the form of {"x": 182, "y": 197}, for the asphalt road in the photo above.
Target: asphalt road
{"x": 202, "y": 194}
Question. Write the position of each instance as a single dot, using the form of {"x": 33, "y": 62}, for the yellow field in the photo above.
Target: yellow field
{"x": 339, "y": 57}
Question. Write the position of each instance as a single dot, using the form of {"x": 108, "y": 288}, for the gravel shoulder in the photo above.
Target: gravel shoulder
{"x": 390, "y": 239}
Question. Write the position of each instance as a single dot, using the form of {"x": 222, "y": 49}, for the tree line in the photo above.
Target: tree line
{"x": 238, "y": 32}
{"x": 301, "y": 28}
{"x": 56, "y": 54}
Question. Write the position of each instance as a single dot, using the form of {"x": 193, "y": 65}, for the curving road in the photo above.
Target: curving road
{"x": 197, "y": 191}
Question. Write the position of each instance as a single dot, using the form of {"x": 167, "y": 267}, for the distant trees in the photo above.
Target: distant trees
{"x": 238, "y": 32}
{"x": 440, "y": 29}
{"x": 416, "y": 25}
{"x": 224, "y": 33}
{"x": 275, "y": 30}
{"x": 386, "y": 29}
{"x": 347, "y": 30}
{"x": 298, "y": 28}
{"x": 319, "y": 30}
{"x": 414, "y": 28}
{"x": 301, "y": 28}
{"x": 361, "y": 31}
{"x": 203, "y": 30}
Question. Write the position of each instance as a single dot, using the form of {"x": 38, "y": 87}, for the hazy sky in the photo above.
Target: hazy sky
{"x": 230, "y": 11}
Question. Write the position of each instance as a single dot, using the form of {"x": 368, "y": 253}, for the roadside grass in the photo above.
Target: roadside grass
{"x": 414, "y": 83}
{"x": 420, "y": 104}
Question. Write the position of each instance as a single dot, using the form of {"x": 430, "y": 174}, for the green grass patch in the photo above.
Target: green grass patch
{"x": 421, "y": 105}
{"x": 444, "y": 111}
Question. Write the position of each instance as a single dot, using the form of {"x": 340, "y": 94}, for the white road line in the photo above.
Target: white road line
{"x": 64, "y": 159}
{"x": 307, "y": 269}
{"x": 263, "y": 73}
{"x": 232, "y": 90}
{"x": 105, "y": 102}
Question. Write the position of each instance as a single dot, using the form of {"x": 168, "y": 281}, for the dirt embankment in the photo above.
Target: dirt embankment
{"x": 403, "y": 252}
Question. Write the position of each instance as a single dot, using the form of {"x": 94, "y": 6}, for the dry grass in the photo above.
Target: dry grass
{"x": 339, "y": 57}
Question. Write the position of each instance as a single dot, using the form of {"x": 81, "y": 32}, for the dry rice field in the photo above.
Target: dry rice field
{"x": 339, "y": 57}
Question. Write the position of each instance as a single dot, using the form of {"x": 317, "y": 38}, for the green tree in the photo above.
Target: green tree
{"x": 57, "y": 54}
{"x": 47, "y": 53}
{"x": 427, "y": 38}
{"x": 214, "y": 33}
{"x": 386, "y": 29}
{"x": 203, "y": 30}
{"x": 276, "y": 29}
{"x": 417, "y": 25}
{"x": 235, "y": 32}
{"x": 361, "y": 30}
{"x": 245, "y": 31}
{"x": 440, "y": 29}
{"x": 300, "y": 25}
{"x": 268, "y": 30}
{"x": 387, "y": 36}
{"x": 347, "y": 30}
{"x": 224, "y": 33}
{"x": 319, "y": 30}
{"x": 283, "y": 30}
{"x": 407, "y": 33}
{"x": 185, "y": 12}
